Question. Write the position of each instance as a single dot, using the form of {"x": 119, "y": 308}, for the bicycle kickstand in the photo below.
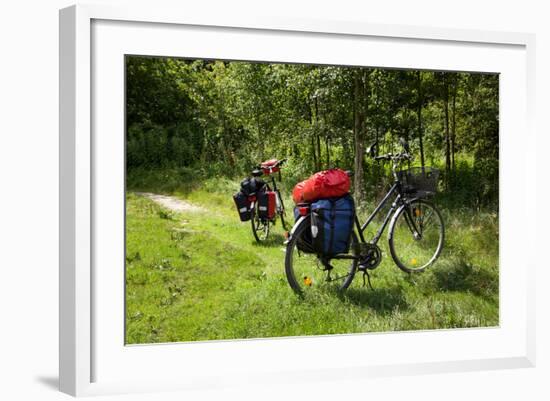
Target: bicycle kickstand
{"x": 366, "y": 273}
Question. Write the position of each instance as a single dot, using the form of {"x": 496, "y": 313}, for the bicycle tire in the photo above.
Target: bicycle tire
{"x": 400, "y": 255}
{"x": 256, "y": 224}
{"x": 291, "y": 250}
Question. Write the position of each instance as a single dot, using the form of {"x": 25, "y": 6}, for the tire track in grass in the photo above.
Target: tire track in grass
{"x": 177, "y": 205}
{"x": 172, "y": 203}
{"x": 209, "y": 285}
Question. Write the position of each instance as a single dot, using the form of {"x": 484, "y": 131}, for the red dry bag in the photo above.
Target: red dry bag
{"x": 331, "y": 183}
{"x": 297, "y": 192}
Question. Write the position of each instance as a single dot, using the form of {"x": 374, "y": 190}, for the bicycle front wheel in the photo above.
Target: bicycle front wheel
{"x": 416, "y": 235}
{"x": 306, "y": 272}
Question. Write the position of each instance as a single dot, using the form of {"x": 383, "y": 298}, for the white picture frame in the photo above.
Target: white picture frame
{"x": 85, "y": 348}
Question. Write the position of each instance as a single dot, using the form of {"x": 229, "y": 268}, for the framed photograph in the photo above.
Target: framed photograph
{"x": 290, "y": 200}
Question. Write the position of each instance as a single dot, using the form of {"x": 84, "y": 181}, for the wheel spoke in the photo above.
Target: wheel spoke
{"x": 306, "y": 272}
{"x": 260, "y": 227}
{"x": 426, "y": 220}
{"x": 409, "y": 217}
{"x": 414, "y": 251}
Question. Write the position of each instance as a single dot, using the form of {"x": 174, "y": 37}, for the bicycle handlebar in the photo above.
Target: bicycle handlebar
{"x": 393, "y": 156}
{"x": 278, "y": 164}
{"x": 270, "y": 168}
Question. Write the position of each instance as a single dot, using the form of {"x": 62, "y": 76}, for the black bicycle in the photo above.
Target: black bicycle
{"x": 416, "y": 233}
{"x": 261, "y": 225}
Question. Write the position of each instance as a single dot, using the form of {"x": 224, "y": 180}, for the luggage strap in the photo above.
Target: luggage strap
{"x": 332, "y": 219}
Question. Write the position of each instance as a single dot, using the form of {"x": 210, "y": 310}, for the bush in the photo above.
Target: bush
{"x": 181, "y": 179}
{"x": 473, "y": 184}
{"x": 153, "y": 146}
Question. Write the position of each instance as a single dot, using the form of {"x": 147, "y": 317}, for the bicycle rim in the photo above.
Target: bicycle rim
{"x": 416, "y": 236}
{"x": 305, "y": 271}
{"x": 260, "y": 228}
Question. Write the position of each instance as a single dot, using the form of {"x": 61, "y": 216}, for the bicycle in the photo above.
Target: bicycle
{"x": 415, "y": 237}
{"x": 261, "y": 225}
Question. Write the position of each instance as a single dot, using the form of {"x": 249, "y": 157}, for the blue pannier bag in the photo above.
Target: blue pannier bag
{"x": 331, "y": 225}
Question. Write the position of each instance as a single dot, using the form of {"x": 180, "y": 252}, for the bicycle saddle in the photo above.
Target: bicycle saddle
{"x": 257, "y": 172}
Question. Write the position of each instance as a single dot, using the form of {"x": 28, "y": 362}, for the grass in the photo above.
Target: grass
{"x": 201, "y": 276}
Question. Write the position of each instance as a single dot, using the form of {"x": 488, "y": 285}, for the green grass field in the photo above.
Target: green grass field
{"x": 201, "y": 276}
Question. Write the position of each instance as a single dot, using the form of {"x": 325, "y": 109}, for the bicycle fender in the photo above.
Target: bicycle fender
{"x": 295, "y": 227}
{"x": 398, "y": 211}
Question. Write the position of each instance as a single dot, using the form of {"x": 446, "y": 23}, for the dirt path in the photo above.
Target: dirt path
{"x": 172, "y": 203}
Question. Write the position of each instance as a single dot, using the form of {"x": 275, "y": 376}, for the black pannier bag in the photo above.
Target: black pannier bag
{"x": 304, "y": 242}
{"x": 243, "y": 205}
{"x": 249, "y": 186}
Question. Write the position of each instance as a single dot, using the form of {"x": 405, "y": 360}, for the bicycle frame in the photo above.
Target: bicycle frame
{"x": 271, "y": 184}
{"x": 396, "y": 188}
{"x": 274, "y": 183}
{"x": 398, "y": 201}
{"x": 279, "y": 207}
{"x": 365, "y": 253}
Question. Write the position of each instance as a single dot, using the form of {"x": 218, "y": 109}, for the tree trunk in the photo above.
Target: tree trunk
{"x": 318, "y": 166}
{"x": 260, "y": 138}
{"x": 317, "y": 136}
{"x": 169, "y": 146}
{"x": 326, "y": 135}
{"x": 327, "y": 150}
{"x": 312, "y": 124}
{"x": 360, "y": 102}
{"x": 225, "y": 148}
{"x": 346, "y": 151}
{"x": 313, "y": 152}
{"x": 377, "y": 166}
{"x": 447, "y": 137}
{"x": 453, "y": 126}
{"x": 419, "y": 114}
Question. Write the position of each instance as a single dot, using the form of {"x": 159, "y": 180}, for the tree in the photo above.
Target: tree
{"x": 224, "y": 117}
{"x": 360, "y": 96}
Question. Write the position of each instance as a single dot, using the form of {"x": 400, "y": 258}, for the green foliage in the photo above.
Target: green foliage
{"x": 181, "y": 179}
{"x": 223, "y": 118}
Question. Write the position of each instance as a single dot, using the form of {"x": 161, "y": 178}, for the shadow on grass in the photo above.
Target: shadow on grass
{"x": 273, "y": 240}
{"x": 382, "y": 300}
{"x": 464, "y": 277}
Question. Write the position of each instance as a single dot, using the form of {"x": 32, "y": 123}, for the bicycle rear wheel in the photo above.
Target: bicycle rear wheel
{"x": 260, "y": 227}
{"x": 306, "y": 272}
{"x": 416, "y": 236}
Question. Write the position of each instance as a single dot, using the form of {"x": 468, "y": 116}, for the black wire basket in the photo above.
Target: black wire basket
{"x": 419, "y": 181}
